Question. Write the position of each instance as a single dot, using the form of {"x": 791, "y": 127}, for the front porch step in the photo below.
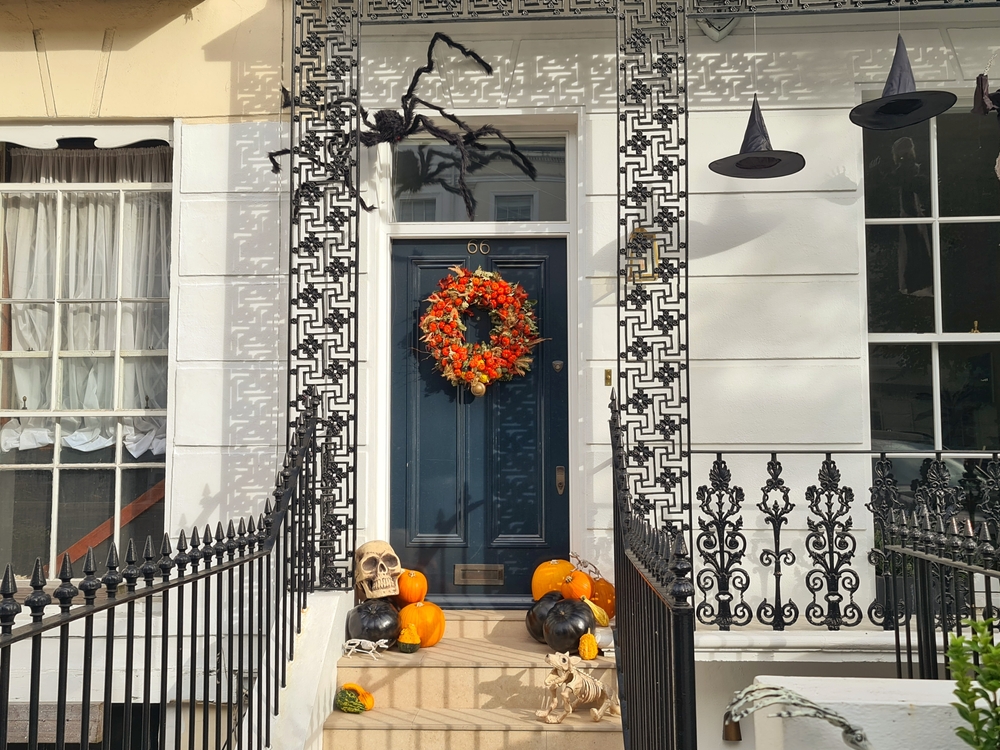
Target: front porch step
{"x": 478, "y": 688}
{"x": 482, "y": 729}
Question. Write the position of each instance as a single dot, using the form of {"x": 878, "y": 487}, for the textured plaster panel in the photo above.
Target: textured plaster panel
{"x": 827, "y": 139}
{"x": 597, "y": 488}
{"x": 777, "y": 403}
{"x": 598, "y": 238}
{"x": 230, "y": 158}
{"x": 765, "y": 318}
{"x": 221, "y": 236}
{"x": 973, "y": 49}
{"x": 594, "y": 400}
{"x": 598, "y": 147}
{"x": 235, "y": 320}
{"x": 212, "y": 484}
{"x": 806, "y": 70}
{"x": 229, "y": 404}
{"x": 168, "y": 58}
{"x": 736, "y": 234}
{"x": 565, "y": 72}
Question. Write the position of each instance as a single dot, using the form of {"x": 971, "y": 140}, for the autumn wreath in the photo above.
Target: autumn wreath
{"x": 514, "y": 333}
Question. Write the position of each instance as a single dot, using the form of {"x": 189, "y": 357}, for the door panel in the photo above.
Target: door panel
{"x": 473, "y": 479}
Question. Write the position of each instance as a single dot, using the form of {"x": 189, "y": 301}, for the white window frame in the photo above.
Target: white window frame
{"x": 935, "y": 221}
{"x": 118, "y": 356}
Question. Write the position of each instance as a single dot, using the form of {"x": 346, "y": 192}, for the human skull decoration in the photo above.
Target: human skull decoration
{"x": 377, "y": 569}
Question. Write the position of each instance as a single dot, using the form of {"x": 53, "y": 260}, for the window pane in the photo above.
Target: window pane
{"x": 145, "y": 440}
{"x": 967, "y": 147}
{"x": 86, "y": 512}
{"x": 25, "y": 518}
{"x": 90, "y": 245}
{"x": 25, "y": 383}
{"x": 87, "y": 382}
{"x": 970, "y": 276}
{"x": 431, "y": 169}
{"x": 513, "y": 207}
{"x": 416, "y": 209}
{"x": 144, "y": 383}
{"x": 26, "y": 327}
{"x": 968, "y": 396}
{"x": 146, "y": 245}
{"x": 142, "y": 506}
{"x": 29, "y": 223}
{"x": 901, "y": 403}
{"x": 144, "y": 325}
{"x": 900, "y": 279}
{"x": 87, "y": 440}
{"x": 897, "y": 172}
{"x": 88, "y": 327}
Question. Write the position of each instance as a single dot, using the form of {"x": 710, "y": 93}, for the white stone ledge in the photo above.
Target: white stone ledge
{"x": 796, "y": 646}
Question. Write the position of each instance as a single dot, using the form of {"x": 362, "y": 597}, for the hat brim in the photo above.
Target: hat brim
{"x": 900, "y": 110}
{"x": 759, "y": 165}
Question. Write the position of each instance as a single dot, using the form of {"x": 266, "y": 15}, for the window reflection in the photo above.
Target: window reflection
{"x": 902, "y": 409}
{"x": 897, "y": 172}
{"x": 969, "y": 396}
{"x": 970, "y": 275}
{"x": 967, "y": 155}
{"x": 425, "y": 182}
{"x": 891, "y": 306}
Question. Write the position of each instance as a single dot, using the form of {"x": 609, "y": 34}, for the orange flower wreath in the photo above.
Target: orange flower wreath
{"x": 514, "y": 333}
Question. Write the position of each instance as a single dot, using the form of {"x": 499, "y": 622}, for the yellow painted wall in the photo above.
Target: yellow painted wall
{"x": 141, "y": 58}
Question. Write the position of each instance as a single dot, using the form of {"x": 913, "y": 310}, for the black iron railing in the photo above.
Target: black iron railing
{"x": 654, "y": 646}
{"x": 185, "y": 649}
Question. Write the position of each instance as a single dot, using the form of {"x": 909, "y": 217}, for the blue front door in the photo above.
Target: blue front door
{"x": 479, "y": 486}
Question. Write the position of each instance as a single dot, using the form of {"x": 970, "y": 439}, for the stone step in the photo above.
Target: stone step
{"x": 510, "y": 729}
{"x": 479, "y": 623}
{"x": 490, "y": 672}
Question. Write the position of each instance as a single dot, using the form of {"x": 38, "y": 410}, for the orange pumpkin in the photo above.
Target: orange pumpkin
{"x": 429, "y": 619}
{"x": 577, "y": 585}
{"x": 412, "y": 587}
{"x": 549, "y": 577}
{"x": 603, "y": 595}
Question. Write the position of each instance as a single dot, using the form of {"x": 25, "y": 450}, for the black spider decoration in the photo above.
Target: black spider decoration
{"x": 390, "y": 126}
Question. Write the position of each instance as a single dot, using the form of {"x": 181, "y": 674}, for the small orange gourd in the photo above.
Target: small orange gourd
{"x": 429, "y": 619}
{"x": 588, "y": 646}
{"x": 549, "y": 577}
{"x": 604, "y": 595}
{"x": 412, "y": 587}
{"x": 577, "y": 585}
{"x": 366, "y": 698}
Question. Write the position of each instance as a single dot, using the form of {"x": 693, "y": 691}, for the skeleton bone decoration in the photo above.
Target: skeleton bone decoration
{"x": 756, "y": 697}
{"x": 361, "y": 646}
{"x": 377, "y": 569}
{"x": 574, "y": 687}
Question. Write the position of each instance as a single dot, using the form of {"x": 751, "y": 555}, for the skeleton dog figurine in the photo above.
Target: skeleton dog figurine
{"x": 574, "y": 687}
{"x": 361, "y": 646}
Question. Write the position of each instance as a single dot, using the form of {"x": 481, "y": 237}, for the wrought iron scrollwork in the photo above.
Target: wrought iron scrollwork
{"x": 884, "y": 494}
{"x": 831, "y": 546}
{"x": 779, "y": 614}
{"x": 722, "y": 545}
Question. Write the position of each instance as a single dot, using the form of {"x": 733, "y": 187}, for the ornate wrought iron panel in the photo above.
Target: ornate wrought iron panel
{"x": 716, "y": 8}
{"x": 652, "y": 152}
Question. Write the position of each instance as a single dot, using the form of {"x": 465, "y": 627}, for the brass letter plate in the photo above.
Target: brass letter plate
{"x": 479, "y": 575}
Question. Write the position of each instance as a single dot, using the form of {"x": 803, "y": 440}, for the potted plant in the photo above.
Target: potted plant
{"x": 977, "y": 685}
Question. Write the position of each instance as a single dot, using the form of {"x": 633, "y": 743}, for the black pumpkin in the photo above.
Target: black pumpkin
{"x": 374, "y": 620}
{"x": 567, "y": 621}
{"x": 535, "y": 619}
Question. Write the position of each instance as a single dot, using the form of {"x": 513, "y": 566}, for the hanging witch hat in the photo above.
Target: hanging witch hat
{"x": 756, "y": 159}
{"x": 901, "y": 104}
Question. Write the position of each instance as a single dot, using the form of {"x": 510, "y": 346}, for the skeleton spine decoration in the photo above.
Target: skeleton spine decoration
{"x": 377, "y": 570}
{"x": 390, "y": 126}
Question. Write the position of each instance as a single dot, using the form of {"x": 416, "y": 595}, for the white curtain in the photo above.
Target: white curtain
{"x": 88, "y": 290}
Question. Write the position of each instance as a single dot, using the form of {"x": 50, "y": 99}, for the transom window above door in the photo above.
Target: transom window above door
{"x": 425, "y": 182}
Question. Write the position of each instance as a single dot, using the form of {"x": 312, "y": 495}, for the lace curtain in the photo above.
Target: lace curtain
{"x": 89, "y": 224}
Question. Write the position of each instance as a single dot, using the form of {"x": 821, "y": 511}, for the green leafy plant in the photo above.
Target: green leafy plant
{"x": 977, "y": 685}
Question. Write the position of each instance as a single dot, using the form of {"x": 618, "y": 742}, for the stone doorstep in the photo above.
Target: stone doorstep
{"x": 479, "y": 623}
{"x": 18, "y": 722}
{"x": 507, "y": 729}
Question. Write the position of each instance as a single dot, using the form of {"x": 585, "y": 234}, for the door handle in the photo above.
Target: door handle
{"x": 560, "y": 479}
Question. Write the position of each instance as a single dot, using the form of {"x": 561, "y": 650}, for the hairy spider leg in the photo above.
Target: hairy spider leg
{"x": 521, "y": 161}
{"x": 406, "y": 101}
{"x": 427, "y": 174}
{"x": 421, "y": 123}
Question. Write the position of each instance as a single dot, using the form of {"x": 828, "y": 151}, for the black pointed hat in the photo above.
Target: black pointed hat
{"x": 756, "y": 159}
{"x": 901, "y": 104}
